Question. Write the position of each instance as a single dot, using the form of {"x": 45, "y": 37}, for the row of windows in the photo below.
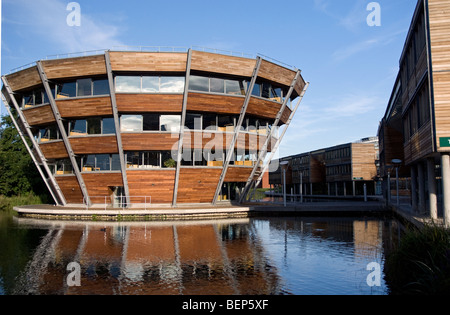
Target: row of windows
{"x": 337, "y": 154}
{"x": 345, "y": 169}
{"x": 150, "y": 122}
{"x": 414, "y": 49}
{"x": 194, "y": 121}
{"x": 78, "y": 88}
{"x": 151, "y": 159}
{"x": 80, "y": 127}
{"x": 149, "y": 84}
{"x": 171, "y": 84}
{"x": 89, "y": 163}
{"x": 196, "y": 157}
{"x": 301, "y": 160}
{"x": 418, "y": 113}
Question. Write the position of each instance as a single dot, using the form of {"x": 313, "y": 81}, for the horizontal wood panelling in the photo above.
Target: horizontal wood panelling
{"x": 85, "y": 107}
{"x": 263, "y": 108}
{"x": 94, "y": 145}
{"x": 148, "y": 103}
{"x": 98, "y": 184}
{"x": 238, "y": 174}
{"x": 197, "y": 185}
{"x": 75, "y": 67}
{"x": 300, "y": 85}
{"x": 54, "y": 150}
{"x": 363, "y": 161}
{"x": 276, "y": 73}
{"x": 216, "y": 63}
{"x": 197, "y": 140}
{"x": 419, "y": 145}
{"x": 24, "y": 79}
{"x": 157, "y": 184}
{"x": 39, "y": 115}
{"x": 439, "y": 12}
{"x": 70, "y": 188}
{"x": 148, "y": 61}
{"x": 148, "y": 141}
{"x": 221, "y": 104}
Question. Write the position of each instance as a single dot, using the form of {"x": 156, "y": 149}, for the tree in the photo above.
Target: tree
{"x": 18, "y": 174}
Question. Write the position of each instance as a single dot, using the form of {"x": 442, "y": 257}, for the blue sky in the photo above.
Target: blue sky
{"x": 351, "y": 66}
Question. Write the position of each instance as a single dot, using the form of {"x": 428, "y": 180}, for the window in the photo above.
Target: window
{"x": 78, "y": 128}
{"x": 197, "y": 83}
{"x": 101, "y": 87}
{"x": 100, "y": 162}
{"x": 128, "y": 84}
{"x": 63, "y": 167}
{"x": 109, "y": 126}
{"x": 131, "y": 123}
{"x": 151, "y": 122}
{"x": 217, "y": 85}
{"x": 172, "y": 85}
{"x": 84, "y": 87}
{"x": 209, "y": 122}
{"x": 226, "y": 123}
{"x": 193, "y": 121}
{"x": 170, "y": 123}
{"x": 65, "y": 90}
{"x": 94, "y": 126}
{"x": 234, "y": 87}
{"x": 134, "y": 159}
{"x": 151, "y": 159}
{"x": 256, "y": 89}
{"x": 115, "y": 162}
{"x": 38, "y": 98}
{"x": 103, "y": 162}
{"x": 150, "y": 84}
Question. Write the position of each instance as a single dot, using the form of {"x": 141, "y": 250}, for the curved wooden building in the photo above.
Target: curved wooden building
{"x": 107, "y": 128}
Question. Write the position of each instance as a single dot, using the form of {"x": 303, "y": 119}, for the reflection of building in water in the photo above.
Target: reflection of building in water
{"x": 369, "y": 237}
{"x": 148, "y": 258}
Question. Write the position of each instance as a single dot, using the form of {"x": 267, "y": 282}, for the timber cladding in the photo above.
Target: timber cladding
{"x": 157, "y": 184}
{"x": 94, "y": 144}
{"x": 439, "y": 25}
{"x": 41, "y": 115}
{"x": 149, "y": 103}
{"x": 82, "y": 91}
{"x": 75, "y": 67}
{"x": 148, "y": 61}
{"x": 85, "y": 107}
{"x": 198, "y": 184}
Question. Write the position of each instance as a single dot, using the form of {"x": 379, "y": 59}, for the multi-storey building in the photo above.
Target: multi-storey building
{"x": 417, "y": 119}
{"x": 338, "y": 171}
{"x": 129, "y": 128}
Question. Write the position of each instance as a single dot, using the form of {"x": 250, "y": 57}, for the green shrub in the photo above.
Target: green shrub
{"x": 421, "y": 263}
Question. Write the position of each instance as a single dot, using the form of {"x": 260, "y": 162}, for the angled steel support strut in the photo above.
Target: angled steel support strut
{"x": 238, "y": 127}
{"x": 63, "y": 132}
{"x": 183, "y": 121}
{"x": 112, "y": 92}
{"x": 277, "y": 144}
{"x": 52, "y": 186}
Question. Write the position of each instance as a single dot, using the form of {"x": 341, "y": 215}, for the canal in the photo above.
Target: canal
{"x": 250, "y": 256}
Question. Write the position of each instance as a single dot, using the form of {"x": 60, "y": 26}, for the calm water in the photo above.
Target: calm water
{"x": 296, "y": 256}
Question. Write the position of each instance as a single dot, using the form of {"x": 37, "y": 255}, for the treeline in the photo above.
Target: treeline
{"x": 18, "y": 174}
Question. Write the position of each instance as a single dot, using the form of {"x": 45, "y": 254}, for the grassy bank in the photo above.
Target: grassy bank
{"x": 421, "y": 263}
{"x": 7, "y": 203}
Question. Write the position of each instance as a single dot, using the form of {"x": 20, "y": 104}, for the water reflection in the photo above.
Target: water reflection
{"x": 243, "y": 256}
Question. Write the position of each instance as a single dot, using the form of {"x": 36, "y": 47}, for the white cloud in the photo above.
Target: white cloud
{"x": 47, "y": 20}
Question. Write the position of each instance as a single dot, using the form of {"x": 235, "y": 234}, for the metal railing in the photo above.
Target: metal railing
{"x": 110, "y": 202}
{"x": 155, "y": 49}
